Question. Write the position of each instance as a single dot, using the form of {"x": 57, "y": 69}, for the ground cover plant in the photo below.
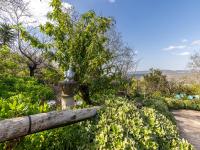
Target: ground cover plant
{"x": 27, "y": 86}
{"x": 183, "y": 104}
{"x": 119, "y": 125}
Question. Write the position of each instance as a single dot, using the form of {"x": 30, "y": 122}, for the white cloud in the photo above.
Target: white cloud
{"x": 40, "y": 8}
{"x": 184, "y": 53}
{"x": 196, "y": 42}
{"x": 174, "y": 47}
{"x": 183, "y": 48}
{"x": 112, "y": 1}
{"x": 184, "y": 40}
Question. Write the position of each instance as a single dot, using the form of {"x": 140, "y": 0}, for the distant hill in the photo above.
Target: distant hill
{"x": 171, "y": 74}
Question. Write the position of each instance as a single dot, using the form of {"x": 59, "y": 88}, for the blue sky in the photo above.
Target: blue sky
{"x": 164, "y": 32}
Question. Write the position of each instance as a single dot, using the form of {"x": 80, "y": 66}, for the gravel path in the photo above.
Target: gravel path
{"x": 188, "y": 122}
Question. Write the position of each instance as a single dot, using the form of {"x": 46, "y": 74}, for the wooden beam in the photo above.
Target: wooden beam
{"x": 21, "y": 126}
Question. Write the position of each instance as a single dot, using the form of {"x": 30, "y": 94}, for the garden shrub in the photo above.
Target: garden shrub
{"x": 123, "y": 126}
{"x": 119, "y": 125}
{"x": 30, "y": 87}
{"x": 11, "y": 63}
{"x": 160, "y": 105}
{"x": 20, "y": 105}
{"x": 183, "y": 104}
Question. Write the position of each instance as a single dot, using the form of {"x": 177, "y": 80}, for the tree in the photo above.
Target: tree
{"x": 7, "y": 34}
{"x": 16, "y": 13}
{"x": 194, "y": 63}
{"x": 123, "y": 56}
{"x": 155, "y": 81}
{"x": 80, "y": 44}
{"x": 10, "y": 62}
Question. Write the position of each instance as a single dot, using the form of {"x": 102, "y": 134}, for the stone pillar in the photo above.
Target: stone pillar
{"x": 67, "y": 97}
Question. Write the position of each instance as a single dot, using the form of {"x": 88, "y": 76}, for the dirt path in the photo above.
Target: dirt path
{"x": 188, "y": 122}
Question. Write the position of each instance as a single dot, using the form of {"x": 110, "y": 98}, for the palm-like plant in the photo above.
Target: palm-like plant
{"x": 7, "y": 34}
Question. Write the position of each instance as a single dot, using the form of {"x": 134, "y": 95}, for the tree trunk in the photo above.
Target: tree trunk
{"x": 32, "y": 72}
{"x": 32, "y": 68}
{"x": 85, "y": 92}
{"x": 21, "y": 126}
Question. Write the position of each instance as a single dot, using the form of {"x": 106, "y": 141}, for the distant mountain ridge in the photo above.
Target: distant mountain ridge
{"x": 139, "y": 74}
{"x": 164, "y": 71}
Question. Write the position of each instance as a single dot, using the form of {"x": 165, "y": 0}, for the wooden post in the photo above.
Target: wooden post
{"x": 21, "y": 126}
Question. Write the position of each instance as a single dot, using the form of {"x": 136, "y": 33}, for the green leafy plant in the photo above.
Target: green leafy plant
{"x": 7, "y": 34}
{"x": 20, "y": 105}
{"x": 30, "y": 87}
{"x": 183, "y": 104}
{"x": 119, "y": 125}
{"x": 11, "y": 63}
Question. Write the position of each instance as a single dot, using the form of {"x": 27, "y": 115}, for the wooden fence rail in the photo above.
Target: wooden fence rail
{"x": 21, "y": 126}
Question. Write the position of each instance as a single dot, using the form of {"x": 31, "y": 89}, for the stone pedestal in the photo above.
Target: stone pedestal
{"x": 67, "y": 97}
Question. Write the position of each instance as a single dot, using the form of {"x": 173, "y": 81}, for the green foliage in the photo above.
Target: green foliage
{"x": 119, "y": 125}
{"x": 186, "y": 89}
{"x": 164, "y": 131}
{"x": 30, "y": 87}
{"x": 20, "y": 96}
{"x": 155, "y": 81}
{"x": 16, "y": 106}
{"x": 183, "y": 104}
{"x": 80, "y": 44}
{"x": 160, "y": 105}
{"x": 123, "y": 126}
{"x": 192, "y": 89}
{"x": 11, "y": 63}
{"x": 156, "y": 85}
{"x": 27, "y": 37}
{"x": 50, "y": 75}
{"x": 133, "y": 87}
{"x": 20, "y": 105}
{"x": 7, "y": 34}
